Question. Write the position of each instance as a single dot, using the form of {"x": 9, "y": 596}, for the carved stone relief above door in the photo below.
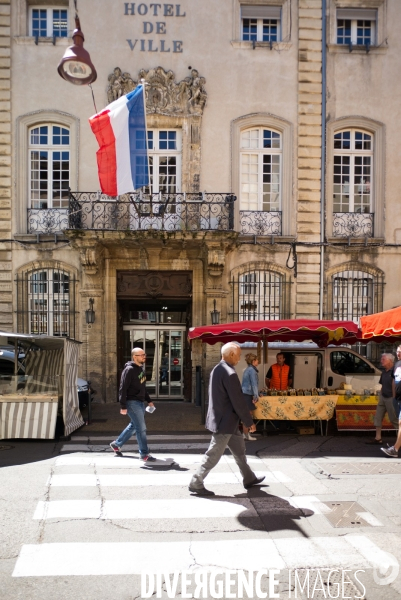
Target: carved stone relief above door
{"x": 154, "y": 284}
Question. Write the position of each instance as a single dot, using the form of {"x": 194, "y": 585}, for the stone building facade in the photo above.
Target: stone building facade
{"x": 241, "y": 217}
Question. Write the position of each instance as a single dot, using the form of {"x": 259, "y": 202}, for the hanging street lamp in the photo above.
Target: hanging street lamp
{"x": 76, "y": 65}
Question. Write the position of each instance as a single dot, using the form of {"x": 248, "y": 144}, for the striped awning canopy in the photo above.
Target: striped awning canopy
{"x": 384, "y": 324}
{"x": 48, "y": 385}
{"x": 322, "y": 332}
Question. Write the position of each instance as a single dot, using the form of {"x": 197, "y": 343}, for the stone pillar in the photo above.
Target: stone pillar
{"x": 309, "y": 155}
{"x": 6, "y": 284}
{"x": 92, "y": 361}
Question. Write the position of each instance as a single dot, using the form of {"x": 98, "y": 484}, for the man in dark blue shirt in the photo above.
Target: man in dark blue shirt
{"x": 227, "y": 406}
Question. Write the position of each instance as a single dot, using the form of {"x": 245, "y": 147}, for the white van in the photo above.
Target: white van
{"x": 312, "y": 366}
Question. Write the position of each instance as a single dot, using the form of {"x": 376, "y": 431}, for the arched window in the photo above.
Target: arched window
{"x": 354, "y": 294}
{"x": 46, "y": 302}
{"x": 352, "y": 178}
{"x": 49, "y": 166}
{"x": 260, "y": 294}
{"x": 260, "y": 170}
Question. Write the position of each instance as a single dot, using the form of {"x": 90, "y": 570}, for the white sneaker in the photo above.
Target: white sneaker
{"x": 250, "y": 438}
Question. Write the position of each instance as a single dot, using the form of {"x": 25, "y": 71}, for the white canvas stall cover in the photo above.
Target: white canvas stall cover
{"x": 45, "y": 371}
{"x": 32, "y": 420}
{"x": 71, "y": 413}
{"x": 51, "y": 369}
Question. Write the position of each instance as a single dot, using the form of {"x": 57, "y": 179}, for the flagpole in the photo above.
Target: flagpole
{"x": 143, "y": 83}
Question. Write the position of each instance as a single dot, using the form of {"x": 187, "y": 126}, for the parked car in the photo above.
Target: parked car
{"x": 85, "y": 393}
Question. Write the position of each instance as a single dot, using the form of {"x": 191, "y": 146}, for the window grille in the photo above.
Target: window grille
{"x": 46, "y": 303}
{"x": 354, "y": 294}
{"x": 260, "y": 295}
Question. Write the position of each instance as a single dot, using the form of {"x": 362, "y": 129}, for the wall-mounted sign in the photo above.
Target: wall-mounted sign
{"x": 154, "y": 21}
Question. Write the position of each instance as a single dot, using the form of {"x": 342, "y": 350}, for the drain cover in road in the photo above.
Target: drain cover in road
{"x": 349, "y": 514}
{"x": 357, "y": 468}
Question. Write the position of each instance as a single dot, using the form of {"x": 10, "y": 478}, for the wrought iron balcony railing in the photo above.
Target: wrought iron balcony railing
{"x": 47, "y": 220}
{"x": 353, "y": 224}
{"x": 140, "y": 212}
{"x": 257, "y": 222}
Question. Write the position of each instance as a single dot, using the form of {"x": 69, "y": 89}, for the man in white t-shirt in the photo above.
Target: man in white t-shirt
{"x": 393, "y": 450}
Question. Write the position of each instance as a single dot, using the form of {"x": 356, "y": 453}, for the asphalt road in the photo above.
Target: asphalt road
{"x": 78, "y": 523}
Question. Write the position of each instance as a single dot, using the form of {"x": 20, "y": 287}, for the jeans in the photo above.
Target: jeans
{"x": 136, "y": 412}
{"x": 218, "y": 444}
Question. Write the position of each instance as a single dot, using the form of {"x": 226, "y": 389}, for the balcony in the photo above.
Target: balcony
{"x": 47, "y": 220}
{"x": 255, "y": 222}
{"x": 353, "y": 225}
{"x": 137, "y": 212}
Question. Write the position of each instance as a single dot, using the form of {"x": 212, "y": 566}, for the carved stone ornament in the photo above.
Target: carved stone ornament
{"x": 163, "y": 94}
{"x": 215, "y": 262}
{"x": 89, "y": 260}
{"x": 154, "y": 284}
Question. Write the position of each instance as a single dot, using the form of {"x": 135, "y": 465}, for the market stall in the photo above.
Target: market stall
{"x": 355, "y": 412}
{"x": 315, "y": 407}
{"x": 42, "y": 388}
{"x": 296, "y": 408}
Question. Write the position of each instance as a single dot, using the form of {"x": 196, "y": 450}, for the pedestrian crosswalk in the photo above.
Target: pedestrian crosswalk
{"x": 234, "y": 530}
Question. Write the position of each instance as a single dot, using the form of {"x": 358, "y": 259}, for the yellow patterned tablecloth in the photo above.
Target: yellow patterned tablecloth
{"x": 295, "y": 408}
{"x": 356, "y": 413}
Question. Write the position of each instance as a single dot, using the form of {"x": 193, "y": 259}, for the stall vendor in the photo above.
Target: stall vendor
{"x": 278, "y": 377}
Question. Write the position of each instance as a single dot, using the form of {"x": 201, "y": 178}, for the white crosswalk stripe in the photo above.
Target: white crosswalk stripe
{"x": 167, "y": 509}
{"x": 69, "y": 497}
{"x": 132, "y": 558}
{"x": 140, "y": 480}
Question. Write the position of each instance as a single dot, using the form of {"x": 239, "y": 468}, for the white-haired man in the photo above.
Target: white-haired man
{"x": 385, "y": 404}
{"x": 227, "y": 407}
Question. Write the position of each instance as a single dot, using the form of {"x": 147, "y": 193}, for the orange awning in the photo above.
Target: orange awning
{"x": 387, "y": 324}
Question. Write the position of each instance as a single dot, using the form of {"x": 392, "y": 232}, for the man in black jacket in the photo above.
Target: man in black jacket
{"x": 133, "y": 396}
{"x": 227, "y": 406}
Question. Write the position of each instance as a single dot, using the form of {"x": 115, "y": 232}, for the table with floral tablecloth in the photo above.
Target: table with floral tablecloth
{"x": 295, "y": 408}
{"x": 356, "y": 413}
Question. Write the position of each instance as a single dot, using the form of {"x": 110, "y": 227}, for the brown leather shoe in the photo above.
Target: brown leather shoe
{"x": 374, "y": 442}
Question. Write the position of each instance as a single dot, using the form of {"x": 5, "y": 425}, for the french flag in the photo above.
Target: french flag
{"x": 120, "y": 130}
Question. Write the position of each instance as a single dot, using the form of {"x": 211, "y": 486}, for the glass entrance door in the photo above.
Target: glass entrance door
{"x": 164, "y": 358}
